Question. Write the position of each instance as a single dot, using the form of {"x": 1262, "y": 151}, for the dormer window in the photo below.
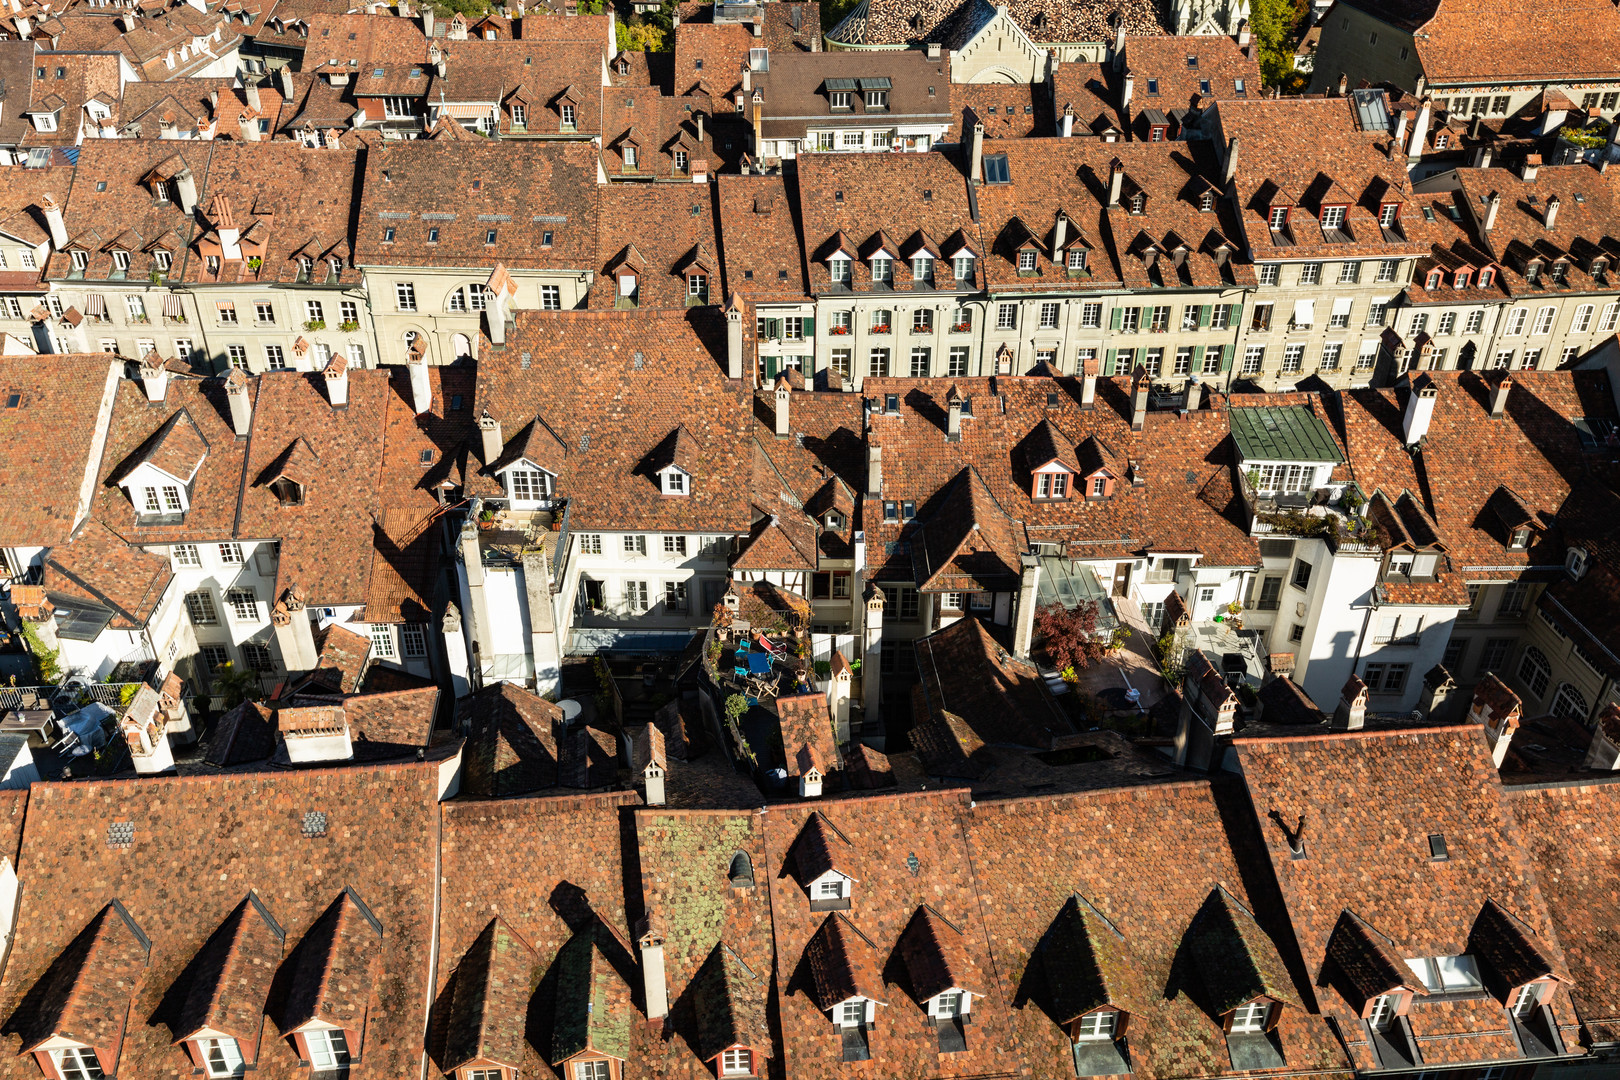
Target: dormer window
{"x": 1206, "y": 202}
{"x": 838, "y": 268}
{"x": 1460, "y": 281}
{"x": 1250, "y": 1019}
{"x": 1486, "y": 276}
{"x": 962, "y": 267}
{"x": 1532, "y": 272}
{"x": 1137, "y": 202}
{"x": 221, "y": 1057}
{"x": 1434, "y": 280}
{"x": 829, "y": 889}
{"x": 737, "y": 1061}
{"x": 163, "y": 260}
{"x": 697, "y": 288}
{"x": 81, "y": 259}
{"x": 1560, "y": 270}
{"x": 1098, "y": 1026}
{"x": 1332, "y": 217}
{"x": 877, "y": 99}
{"x": 1026, "y": 261}
{"x": 121, "y": 261}
{"x": 835, "y": 520}
{"x": 675, "y": 481}
{"x": 1387, "y": 213}
{"x": 1053, "y": 485}
{"x": 328, "y": 1050}
{"x": 1156, "y": 132}
{"x": 77, "y": 1063}
{"x": 922, "y": 268}
{"x": 1278, "y": 219}
{"x": 1099, "y": 486}
{"x": 1077, "y": 258}
{"x": 851, "y": 1013}
{"x": 1520, "y": 538}
{"x": 288, "y": 491}
{"x": 882, "y": 268}
{"x": 1447, "y": 974}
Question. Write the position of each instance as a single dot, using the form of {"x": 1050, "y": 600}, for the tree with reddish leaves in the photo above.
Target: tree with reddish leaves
{"x": 1069, "y": 635}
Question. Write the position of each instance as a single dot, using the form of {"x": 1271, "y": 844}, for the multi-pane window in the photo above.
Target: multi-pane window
{"x": 1544, "y": 320}
{"x": 529, "y": 484}
{"x": 230, "y": 554}
{"x": 962, "y": 267}
{"x": 675, "y": 596}
{"x": 1090, "y": 316}
{"x": 1420, "y": 322}
{"x": 1387, "y": 678}
{"x": 1097, "y": 1026}
{"x": 1049, "y": 316}
{"x": 1183, "y": 363}
{"x": 1153, "y": 361}
{"x": 221, "y": 1056}
{"x": 77, "y": 1063}
{"x": 1448, "y": 323}
{"x": 255, "y": 657}
{"x": 838, "y": 271}
{"x": 413, "y": 639}
{"x": 1310, "y": 274}
{"x": 675, "y": 544}
{"x": 1254, "y": 356}
{"x": 1007, "y": 317}
{"x": 328, "y": 1050}
{"x": 1516, "y": 320}
{"x": 922, "y": 268}
{"x": 1293, "y": 359}
{"x": 635, "y": 544}
{"x": 1349, "y": 273}
{"x": 1475, "y": 320}
{"x": 551, "y": 298}
{"x": 1387, "y": 269}
{"x": 200, "y": 607}
{"x": 1269, "y": 273}
{"x": 1583, "y": 319}
{"x": 1251, "y": 1018}
{"x": 635, "y": 595}
{"x": 1260, "y": 319}
{"x": 1611, "y": 312}
{"x": 590, "y": 543}
{"x": 593, "y": 1070}
{"x": 1332, "y": 217}
{"x": 1221, "y": 316}
{"x": 186, "y": 555}
{"x": 1026, "y": 261}
{"x": 1503, "y": 359}
{"x": 349, "y": 310}
{"x": 920, "y": 362}
{"x": 244, "y": 604}
{"x": 1331, "y": 353}
{"x": 843, "y": 362}
{"x": 1212, "y": 360}
{"x": 274, "y": 358}
{"x": 736, "y": 1063}
{"x": 882, "y": 269}
{"x": 313, "y": 311}
{"x": 877, "y": 362}
{"x": 405, "y": 295}
{"x": 1377, "y": 312}
{"x": 957, "y": 363}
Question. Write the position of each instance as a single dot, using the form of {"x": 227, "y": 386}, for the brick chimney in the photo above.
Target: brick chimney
{"x": 1351, "y": 715}
{"x": 144, "y": 729}
{"x": 1499, "y": 710}
{"x": 1530, "y": 167}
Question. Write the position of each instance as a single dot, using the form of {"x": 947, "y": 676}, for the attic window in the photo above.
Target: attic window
{"x": 1447, "y": 974}
{"x": 1192, "y": 61}
{"x": 120, "y": 834}
{"x": 996, "y": 170}
{"x": 741, "y": 873}
{"x": 426, "y": 458}
{"x": 288, "y": 491}
{"x": 1520, "y": 538}
{"x": 314, "y": 824}
{"x": 1437, "y": 846}
{"x": 101, "y": 185}
{"x": 13, "y": 400}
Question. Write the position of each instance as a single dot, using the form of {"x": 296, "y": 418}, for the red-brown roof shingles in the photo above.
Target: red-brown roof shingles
{"x": 1400, "y": 788}
{"x": 53, "y": 442}
{"x": 1148, "y": 859}
{"x": 125, "y": 214}
{"x": 653, "y": 373}
{"x": 668, "y": 229}
{"x": 884, "y": 834}
{"x": 381, "y": 838}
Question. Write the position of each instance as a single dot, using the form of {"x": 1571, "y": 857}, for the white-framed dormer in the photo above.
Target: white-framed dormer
{"x": 69, "y": 1060}
{"x": 830, "y": 890}
{"x": 853, "y": 1012}
{"x": 949, "y": 1004}
{"x": 528, "y": 486}
{"x": 156, "y": 493}
{"x": 327, "y": 1047}
{"x": 674, "y": 480}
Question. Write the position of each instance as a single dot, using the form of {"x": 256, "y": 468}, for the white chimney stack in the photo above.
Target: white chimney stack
{"x": 57, "y": 223}
{"x": 421, "y": 385}
{"x": 337, "y": 380}
{"x": 236, "y": 393}
{"x": 185, "y": 185}
{"x": 783, "y": 392}
{"x": 1550, "y": 217}
{"x": 489, "y": 432}
{"x": 650, "y": 940}
{"x": 1419, "y": 411}
{"x": 154, "y": 377}
{"x": 874, "y": 470}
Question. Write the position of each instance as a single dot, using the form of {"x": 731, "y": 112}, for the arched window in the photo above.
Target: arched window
{"x": 463, "y": 346}
{"x": 1534, "y": 671}
{"x": 1569, "y": 704}
{"x": 742, "y": 871}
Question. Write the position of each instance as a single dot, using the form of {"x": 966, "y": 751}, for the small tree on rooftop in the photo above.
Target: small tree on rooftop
{"x": 1069, "y": 635}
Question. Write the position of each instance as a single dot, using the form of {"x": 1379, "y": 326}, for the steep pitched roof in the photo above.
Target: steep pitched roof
{"x": 1237, "y": 960}
{"x": 731, "y": 1005}
{"x": 594, "y": 1010}
{"x": 937, "y": 958}
{"x": 842, "y": 963}
{"x": 511, "y": 741}
{"x": 970, "y": 543}
{"x": 335, "y": 973}
{"x": 232, "y": 984}
{"x": 489, "y": 1008}
{"x": 1089, "y": 964}
{"x": 85, "y": 996}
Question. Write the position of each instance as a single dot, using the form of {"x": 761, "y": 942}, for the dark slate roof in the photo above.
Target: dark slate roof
{"x": 1282, "y": 433}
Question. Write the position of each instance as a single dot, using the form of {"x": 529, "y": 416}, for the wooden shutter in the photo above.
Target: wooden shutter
{"x": 1226, "y": 357}
{"x": 1113, "y": 322}
{"x": 1109, "y": 356}
{"x": 1203, "y": 316}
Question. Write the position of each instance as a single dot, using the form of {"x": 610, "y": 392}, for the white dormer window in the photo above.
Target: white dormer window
{"x": 962, "y": 267}
{"x": 832, "y": 888}
{"x": 81, "y": 259}
{"x": 948, "y": 1005}
{"x": 737, "y": 1062}
{"x": 120, "y": 261}
{"x": 528, "y": 485}
{"x": 1575, "y": 562}
{"x": 1250, "y": 1019}
{"x": 1098, "y": 1026}
{"x": 1332, "y": 217}
{"x": 1520, "y": 539}
{"x": 45, "y": 121}
{"x": 1053, "y": 485}
{"x": 1077, "y": 258}
{"x": 882, "y": 268}
{"x": 221, "y": 1057}
{"x": 76, "y": 1063}
{"x": 1447, "y": 974}
{"x": 851, "y": 1013}
{"x": 838, "y": 268}
{"x": 163, "y": 260}
{"x": 328, "y": 1050}
{"x": 675, "y": 481}
{"x": 922, "y": 268}
{"x": 835, "y": 520}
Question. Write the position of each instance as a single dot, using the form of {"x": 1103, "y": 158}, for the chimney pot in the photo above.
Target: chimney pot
{"x": 1419, "y": 411}
{"x": 489, "y": 433}
{"x": 337, "y": 381}
{"x": 1499, "y": 397}
{"x": 977, "y": 162}
{"x": 236, "y": 394}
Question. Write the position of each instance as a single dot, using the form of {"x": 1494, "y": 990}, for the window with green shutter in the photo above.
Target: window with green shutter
{"x": 1226, "y": 357}
{"x": 1113, "y": 323}
{"x": 1203, "y": 316}
{"x": 1109, "y": 356}
{"x": 770, "y": 370}
{"x": 809, "y": 327}
{"x": 773, "y": 329}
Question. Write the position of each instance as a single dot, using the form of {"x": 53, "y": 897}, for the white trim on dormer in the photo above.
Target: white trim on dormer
{"x": 674, "y": 480}
{"x": 830, "y": 877}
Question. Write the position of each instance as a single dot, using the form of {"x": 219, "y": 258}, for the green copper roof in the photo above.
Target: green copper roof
{"x": 1282, "y": 433}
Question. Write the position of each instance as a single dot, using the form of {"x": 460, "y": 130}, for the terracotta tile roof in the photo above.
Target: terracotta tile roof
{"x": 899, "y": 195}
{"x": 126, "y": 214}
{"x": 807, "y": 734}
{"x": 1153, "y": 857}
{"x": 1378, "y": 862}
{"x": 397, "y": 718}
{"x": 490, "y": 1000}
{"x": 53, "y": 440}
{"x": 335, "y": 972}
{"x": 1181, "y": 65}
{"x": 1017, "y": 111}
{"x": 520, "y": 189}
{"x": 969, "y": 543}
{"x": 381, "y": 839}
{"x": 711, "y": 55}
{"x": 1568, "y": 831}
{"x": 1090, "y": 90}
{"x": 594, "y": 1008}
{"x": 1369, "y": 960}
{"x": 764, "y": 252}
{"x": 1462, "y": 41}
{"x": 1538, "y": 450}
{"x": 571, "y": 846}
{"x": 343, "y": 657}
{"x": 1345, "y": 165}
{"x": 965, "y": 672}
{"x": 671, "y": 227}
{"x": 730, "y": 1002}
{"x": 234, "y": 971}
{"x": 511, "y": 741}
{"x": 1583, "y": 228}
{"x": 937, "y": 958}
{"x": 86, "y": 76}
{"x": 97, "y": 564}
{"x": 796, "y": 98}
{"x": 533, "y": 74}
{"x": 1088, "y": 963}
{"x": 85, "y": 996}
{"x": 658, "y": 125}
{"x": 903, "y": 851}
{"x": 16, "y": 69}
{"x": 656, "y": 373}
{"x": 244, "y": 735}
{"x": 395, "y": 47}
{"x": 1237, "y": 960}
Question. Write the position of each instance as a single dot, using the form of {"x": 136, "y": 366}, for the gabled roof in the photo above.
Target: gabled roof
{"x": 678, "y": 449}
{"x": 98, "y": 565}
{"x": 594, "y": 1009}
{"x": 1237, "y": 960}
{"x": 178, "y": 447}
{"x": 1045, "y": 445}
{"x": 1368, "y": 959}
{"x": 731, "y": 1005}
{"x": 936, "y": 957}
{"x": 1000, "y": 699}
{"x": 333, "y": 978}
{"x": 86, "y": 994}
{"x": 536, "y": 443}
{"x": 1088, "y": 964}
{"x": 820, "y": 847}
{"x": 490, "y": 1004}
{"x": 842, "y": 964}
{"x": 970, "y": 543}
{"x": 807, "y": 734}
{"x": 232, "y": 982}
{"x": 1512, "y": 951}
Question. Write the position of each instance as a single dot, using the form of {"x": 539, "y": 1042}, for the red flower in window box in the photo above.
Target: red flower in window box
{"x": 880, "y": 329}
{"x": 839, "y": 331}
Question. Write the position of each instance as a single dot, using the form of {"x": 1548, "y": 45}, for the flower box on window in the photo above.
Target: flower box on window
{"x": 880, "y": 329}
{"x": 922, "y": 329}
{"x": 839, "y": 331}
{"x": 961, "y": 328}
{"x": 315, "y": 324}
{"x": 348, "y": 325}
